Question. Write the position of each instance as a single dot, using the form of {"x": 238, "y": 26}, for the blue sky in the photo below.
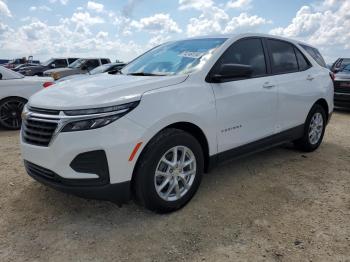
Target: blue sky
{"x": 123, "y": 29}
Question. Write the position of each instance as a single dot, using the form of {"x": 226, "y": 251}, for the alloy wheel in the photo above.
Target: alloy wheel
{"x": 175, "y": 173}
{"x": 10, "y": 114}
{"x": 316, "y": 128}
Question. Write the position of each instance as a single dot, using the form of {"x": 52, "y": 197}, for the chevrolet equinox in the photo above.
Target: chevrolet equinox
{"x": 151, "y": 130}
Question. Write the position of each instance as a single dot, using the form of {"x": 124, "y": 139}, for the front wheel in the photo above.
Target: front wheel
{"x": 10, "y": 112}
{"x": 314, "y": 130}
{"x": 169, "y": 171}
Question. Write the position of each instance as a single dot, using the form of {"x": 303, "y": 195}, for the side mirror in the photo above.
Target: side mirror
{"x": 231, "y": 71}
{"x": 0, "y": 76}
{"x": 53, "y": 65}
{"x": 84, "y": 67}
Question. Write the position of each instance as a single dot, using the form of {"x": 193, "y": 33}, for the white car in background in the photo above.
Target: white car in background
{"x": 15, "y": 90}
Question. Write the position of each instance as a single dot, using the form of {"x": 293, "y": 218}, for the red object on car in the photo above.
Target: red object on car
{"x": 47, "y": 84}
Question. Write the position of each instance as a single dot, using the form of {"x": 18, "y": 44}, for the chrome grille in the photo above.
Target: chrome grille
{"x": 44, "y": 111}
{"x": 38, "y": 131}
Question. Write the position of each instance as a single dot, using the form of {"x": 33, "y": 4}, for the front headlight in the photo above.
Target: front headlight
{"x": 95, "y": 118}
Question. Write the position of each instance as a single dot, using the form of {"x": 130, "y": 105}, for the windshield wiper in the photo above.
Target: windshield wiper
{"x": 144, "y": 74}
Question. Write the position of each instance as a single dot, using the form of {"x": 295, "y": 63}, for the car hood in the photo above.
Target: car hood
{"x": 70, "y": 77}
{"x": 342, "y": 75}
{"x": 32, "y": 67}
{"x": 99, "y": 91}
{"x": 58, "y": 70}
{"x": 37, "y": 79}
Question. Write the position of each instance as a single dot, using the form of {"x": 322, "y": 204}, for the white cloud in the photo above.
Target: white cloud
{"x": 84, "y": 18}
{"x": 244, "y": 23}
{"x": 40, "y": 8}
{"x": 158, "y": 23}
{"x": 326, "y": 29}
{"x": 94, "y": 6}
{"x": 239, "y": 4}
{"x": 215, "y": 20}
{"x": 3, "y": 28}
{"x": 63, "y": 2}
{"x": 43, "y": 41}
{"x": 4, "y": 10}
{"x": 195, "y": 4}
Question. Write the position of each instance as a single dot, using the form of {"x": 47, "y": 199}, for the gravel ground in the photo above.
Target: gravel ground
{"x": 278, "y": 205}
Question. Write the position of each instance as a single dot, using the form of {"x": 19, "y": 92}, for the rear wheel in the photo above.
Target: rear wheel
{"x": 169, "y": 171}
{"x": 10, "y": 112}
{"x": 314, "y": 129}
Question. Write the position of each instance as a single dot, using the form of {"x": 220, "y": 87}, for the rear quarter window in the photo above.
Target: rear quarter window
{"x": 315, "y": 54}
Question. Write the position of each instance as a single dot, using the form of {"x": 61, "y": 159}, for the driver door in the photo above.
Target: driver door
{"x": 246, "y": 108}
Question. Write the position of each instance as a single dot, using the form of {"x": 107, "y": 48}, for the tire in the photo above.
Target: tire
{"x": 309, "y": 142}
{"x": 146, "y": 181}
{"x": 10, "y": 112}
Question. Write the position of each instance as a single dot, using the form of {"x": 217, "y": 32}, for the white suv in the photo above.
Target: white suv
{"x": 171, "y": 114}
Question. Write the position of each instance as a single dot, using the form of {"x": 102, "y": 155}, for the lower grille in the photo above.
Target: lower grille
{"x": 38, "y": 132}
{"x": 342, "y": 87}
{"x": 35, "y": 170}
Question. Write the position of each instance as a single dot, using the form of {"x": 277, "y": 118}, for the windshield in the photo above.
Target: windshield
{"x": 346, "y": 68}
{"x": 180, "y": 57}
{"x": 99, "y": 69}
{"x": 8, "y": 74}
{"x": 48, "y": 62}
{"x": 77, "y": 63}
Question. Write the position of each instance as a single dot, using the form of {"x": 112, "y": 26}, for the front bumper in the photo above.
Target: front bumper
{"x": 116, "y": 140}
{"x": 118, "y": 193}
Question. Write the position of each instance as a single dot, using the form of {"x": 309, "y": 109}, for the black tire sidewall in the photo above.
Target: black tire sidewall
{"x": 17, "y": 99}
{"x": 146, "y": 172}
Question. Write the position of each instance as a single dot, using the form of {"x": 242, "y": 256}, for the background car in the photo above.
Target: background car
{"x": 15, "y": 90}
{"x": 21, "y": 66}
{"x": 52, "y": 63}
{"x": 107, "y": 68}
{"x": 339, "y": 64}
{"x": 18, "y": 61}
{"x": 80, "y": 66}
{"x": 342, "y": 88}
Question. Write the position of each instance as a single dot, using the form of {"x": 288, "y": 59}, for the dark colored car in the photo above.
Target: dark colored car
{"x": 339, "y": 64}
{"x": 80, "y": 66}
{"x": 50, "y": 64}
{"x": 21, "y": 66}
{"x": 18, "y": 61}
{"x": 111, "y": 68}
{"x": 342, "y": 88}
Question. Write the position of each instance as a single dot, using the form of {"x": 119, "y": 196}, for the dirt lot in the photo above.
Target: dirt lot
{"x": 279, "y": 205}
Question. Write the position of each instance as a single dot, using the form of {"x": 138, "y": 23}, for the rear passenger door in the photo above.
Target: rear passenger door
{"x": 246, "y": 108}
{"x": 295, "y": 79}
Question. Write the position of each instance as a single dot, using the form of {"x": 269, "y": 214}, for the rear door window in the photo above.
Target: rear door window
{"x": 283, "y": 59}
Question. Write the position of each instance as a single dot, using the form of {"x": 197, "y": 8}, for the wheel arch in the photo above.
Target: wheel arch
{"x": 190, "y": 128}
{"x": 323, "y": 102}
{"x": 8, "y": 97}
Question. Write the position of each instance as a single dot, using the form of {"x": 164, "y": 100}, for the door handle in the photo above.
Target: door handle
{"x": 310, "y": 78}
{"x": 268, "y": 85}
